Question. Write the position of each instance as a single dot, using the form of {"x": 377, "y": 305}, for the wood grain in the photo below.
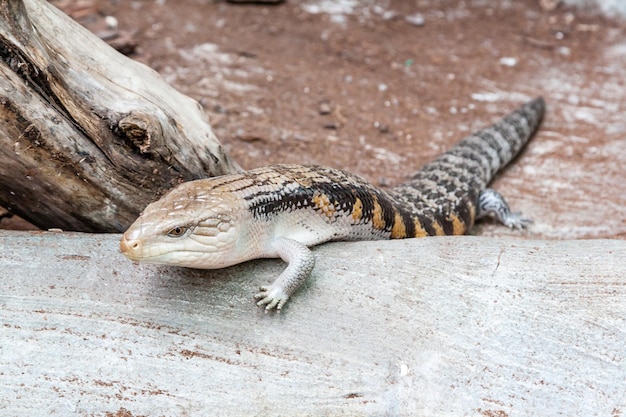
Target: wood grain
{"x": 89, "y": 137}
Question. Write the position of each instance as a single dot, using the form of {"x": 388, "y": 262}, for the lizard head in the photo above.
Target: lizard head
{"x": 193, "y": 225}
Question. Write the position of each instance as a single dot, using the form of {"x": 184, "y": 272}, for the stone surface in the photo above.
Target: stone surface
{"x": 434, "y": 326}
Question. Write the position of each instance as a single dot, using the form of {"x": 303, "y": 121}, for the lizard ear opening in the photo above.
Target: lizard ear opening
{"x": 177, "y": 231}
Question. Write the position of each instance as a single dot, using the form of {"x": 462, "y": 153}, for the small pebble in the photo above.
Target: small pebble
{"x": 508, "y": 61}
{"x": 382, "y": 128}
{"x": 218, "y": 108}
{"x": 564, "y": 50}
{"x": 111, "y": 22}
{"x": 324, "y": 108}
{"x": 415, "y": 19}
{"x": 247, "y": 137}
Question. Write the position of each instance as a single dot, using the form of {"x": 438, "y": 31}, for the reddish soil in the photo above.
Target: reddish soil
{"x": 364, "y": 88}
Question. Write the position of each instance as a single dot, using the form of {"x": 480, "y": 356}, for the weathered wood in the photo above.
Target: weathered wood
{"x": 88, "y": 137}
{"x": 453, "y": 326}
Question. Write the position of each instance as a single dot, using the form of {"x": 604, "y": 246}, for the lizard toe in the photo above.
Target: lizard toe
{"x": 271, "y": 297}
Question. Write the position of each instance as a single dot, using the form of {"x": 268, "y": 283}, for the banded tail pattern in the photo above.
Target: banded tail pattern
{"x": 444, "y": 194}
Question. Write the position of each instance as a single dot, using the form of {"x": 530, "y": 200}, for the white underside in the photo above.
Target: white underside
{"x": 310, "y": 228}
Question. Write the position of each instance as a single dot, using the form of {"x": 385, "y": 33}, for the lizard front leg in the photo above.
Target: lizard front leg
{"x": 300, "y": 264}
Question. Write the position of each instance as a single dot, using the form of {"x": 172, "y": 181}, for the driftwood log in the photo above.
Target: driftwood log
{"x": 88, "y": 137}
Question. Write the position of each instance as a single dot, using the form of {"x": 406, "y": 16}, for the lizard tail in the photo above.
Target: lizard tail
{"x": 487, "y": 151}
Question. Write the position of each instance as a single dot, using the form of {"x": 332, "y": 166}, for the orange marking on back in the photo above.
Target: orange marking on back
{"x": 322, "y": 202}
{"x": 438, "y": 229}
{"x": 398, "y": 231}
{"x": 472, "y": 209}
{"x": 419, "y": 229}
{"x": 458, "y": 227}
{"x": 357, "y": 211}
{"x": 377, "y": 215}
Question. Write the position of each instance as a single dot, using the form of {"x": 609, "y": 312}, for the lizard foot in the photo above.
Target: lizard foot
{"x": 271, "y": 297}
{"x": 516, "y": 221}
{"x": 491, "y": 203}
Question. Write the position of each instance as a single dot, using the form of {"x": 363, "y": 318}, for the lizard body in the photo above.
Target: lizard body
{"x": 281, "y": 210}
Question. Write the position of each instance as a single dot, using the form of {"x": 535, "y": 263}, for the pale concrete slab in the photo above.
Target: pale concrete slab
{"x": 436, "y": 326}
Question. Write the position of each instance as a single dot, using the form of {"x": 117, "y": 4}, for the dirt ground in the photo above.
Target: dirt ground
{"x": 381, "y": 87}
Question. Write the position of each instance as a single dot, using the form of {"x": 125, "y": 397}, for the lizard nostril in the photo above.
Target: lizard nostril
{"x": 128, "y": 245}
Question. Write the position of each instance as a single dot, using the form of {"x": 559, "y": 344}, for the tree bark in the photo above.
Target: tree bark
{"x": 89, "y": 137}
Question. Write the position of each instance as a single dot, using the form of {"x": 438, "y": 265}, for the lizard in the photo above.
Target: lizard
{"x": 279, "y": 211}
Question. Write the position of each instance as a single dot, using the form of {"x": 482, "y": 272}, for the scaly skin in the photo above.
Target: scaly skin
{"x": 281, "y": 210}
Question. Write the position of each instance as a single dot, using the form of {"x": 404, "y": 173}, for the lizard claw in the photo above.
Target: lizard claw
{"x": 516, "y": 221}
{"x": 271, "y": 297}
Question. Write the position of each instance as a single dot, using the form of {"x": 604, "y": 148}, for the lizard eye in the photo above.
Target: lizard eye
{"x": 177, "y": 231}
